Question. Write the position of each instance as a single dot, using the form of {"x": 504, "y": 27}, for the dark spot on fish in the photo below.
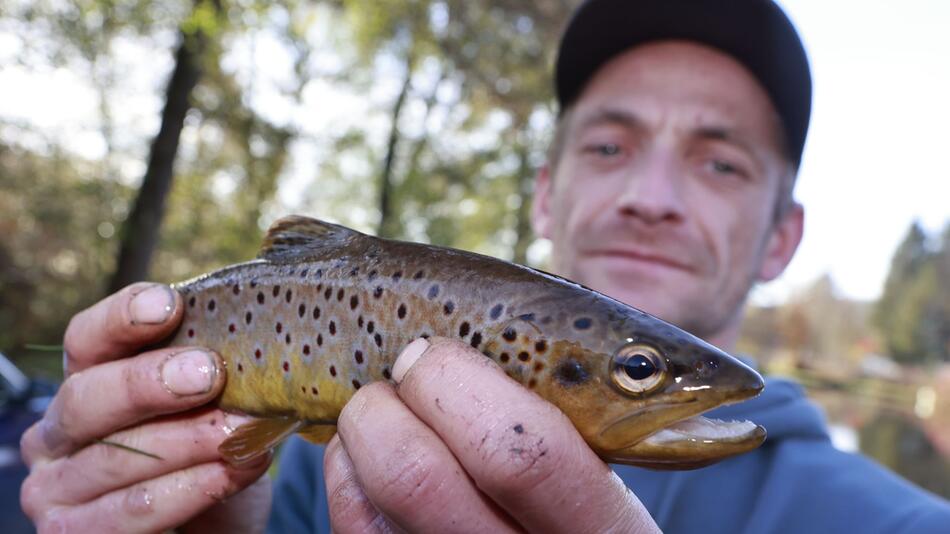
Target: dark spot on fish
{"x": 301, "y": 310}
{"x": 257, "y": 354}
{"x": 232, "y": 328}
{"x": 372, "y": 275}
{"x": 354, "y": 271}
{"x": 532, "y": 383}
{"x": 433, "y": 291}
{"x": 527, "y": 317}
{"x": 418, "y": 275}
{"x": 191, "y": 332}
{"x": 356, "y": 383}
{"x": 313, "y": 390}
{"x": 332, "y": 328}
{"x": 260, "y": 297}
{"x": 354, "y": 302}
{"x": 359, "y": 321}
{"x": 386, "y": 373}
{"x": 191, "y": 302}
{"x": 496, "y": 311}
{"x": 358, "y": 356}
{"x": 319, "y": 273}
{"x": 379, "y": 340}
{"x": 524, "y": 356}
{"x": 509, "y": 334}
{"x": 319, "y": 340}
{"x": 476, "y": 339}
{"x": 546, "y": 319}
{"x": 397, "y": 275}
{"x": 279, "y": 327}
{"x": 464, "y": 328}
{"x": 211, "y": 305}
{"x": 303, "y": 389}
{"x": 303, "y": 273}
{"x": 327, "y": 293}
{"x": 306, "y": 350}
{"x": 583, "y": 323}
{"x": 540, "y": 346}
{"x": 316, "y": 312}
{"x": 319, "y": 287}
{"x": 370, "y": 326}
{"x": 247, "y": 317}
{"x": 571, "y": 372}
{"x": 276, "y": 291}
{"x": 518, "y": 429}
{"x": 504, "y": 357}
{"x": 448, "y": 307}
{"x": 253, "y": 284}
{"x": 332, "y": 371}
{"x": 236, "y": 289}
{"x": 287, "y": 338}
{"x": 538, "y": 366}
{"x": 401, "y": 312}
{"x": 378, "y": 292}
{"x": 240, "y": 368}
{"x": 287, "y": 366}
{"x": 289, "y": 296}
{"x": 339, "y": 295}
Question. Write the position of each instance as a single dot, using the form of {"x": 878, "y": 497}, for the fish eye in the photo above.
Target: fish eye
{"x": 637, "y": 369}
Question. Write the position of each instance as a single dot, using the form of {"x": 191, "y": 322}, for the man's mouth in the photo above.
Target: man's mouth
{"x": 640, "y": 256}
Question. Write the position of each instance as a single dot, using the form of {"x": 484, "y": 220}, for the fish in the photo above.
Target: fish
{"x": 325, "y": 310}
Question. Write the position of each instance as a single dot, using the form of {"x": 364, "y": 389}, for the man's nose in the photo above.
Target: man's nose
{"x": 652, "y": 192}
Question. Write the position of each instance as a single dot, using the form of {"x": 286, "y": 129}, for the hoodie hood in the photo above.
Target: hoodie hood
{"x": 782, "y": 409}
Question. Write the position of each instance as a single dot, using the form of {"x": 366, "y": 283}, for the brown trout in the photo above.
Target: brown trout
{"x": 325, "y": 310}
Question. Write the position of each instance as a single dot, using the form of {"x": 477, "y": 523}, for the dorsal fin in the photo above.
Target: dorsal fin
{"x": 296, "y": 237}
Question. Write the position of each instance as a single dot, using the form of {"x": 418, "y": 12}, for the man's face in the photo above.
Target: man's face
{"x": 665, "y": 190}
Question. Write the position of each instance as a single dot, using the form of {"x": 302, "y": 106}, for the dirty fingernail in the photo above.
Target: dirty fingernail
{"x": 153, "y": 305}
{"x": 408, "y": 357}
{"x": 191, "y": 372}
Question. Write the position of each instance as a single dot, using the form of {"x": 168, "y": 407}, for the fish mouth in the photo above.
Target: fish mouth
{"x": 689, "y": 443}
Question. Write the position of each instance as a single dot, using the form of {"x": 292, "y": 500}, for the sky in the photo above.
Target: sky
{"x": 875, "y": 159}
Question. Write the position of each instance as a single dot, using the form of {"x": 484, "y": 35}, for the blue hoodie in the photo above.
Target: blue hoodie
{"x": 795, "y": 482}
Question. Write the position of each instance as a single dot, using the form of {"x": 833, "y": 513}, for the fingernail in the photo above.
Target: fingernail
{"x": 191, "y": 372}
{"x": 153, "y": 305}
{"x": 408, "y": 357}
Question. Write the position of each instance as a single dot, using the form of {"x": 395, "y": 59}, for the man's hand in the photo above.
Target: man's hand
{"x": 459, "y": 446}
{"x": 151, "y": 402}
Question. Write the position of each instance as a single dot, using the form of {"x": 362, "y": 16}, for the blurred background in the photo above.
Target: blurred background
{"x": 158, "y": 139}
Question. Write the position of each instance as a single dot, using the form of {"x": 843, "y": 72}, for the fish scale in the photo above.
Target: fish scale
{"x": 326, "y": 310}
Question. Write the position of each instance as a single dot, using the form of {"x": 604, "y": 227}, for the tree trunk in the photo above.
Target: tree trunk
{"x": 386, "y": 223}
{"x": 141, "y": 230}
{"x": 525, "y": 185}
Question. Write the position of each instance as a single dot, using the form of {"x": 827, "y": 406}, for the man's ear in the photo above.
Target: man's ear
{"x": 541, "y": 207}
{"x": 782, "y": 243}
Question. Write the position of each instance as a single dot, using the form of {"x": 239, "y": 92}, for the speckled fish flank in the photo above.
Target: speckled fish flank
{"x": 326, "y": 310}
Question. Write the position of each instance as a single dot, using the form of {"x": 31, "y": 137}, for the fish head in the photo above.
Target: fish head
{"x": 636, "y": 395}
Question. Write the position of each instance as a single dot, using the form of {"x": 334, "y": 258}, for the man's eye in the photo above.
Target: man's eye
{"x": 723, "y": 167}
{"x": 604, "y": 149}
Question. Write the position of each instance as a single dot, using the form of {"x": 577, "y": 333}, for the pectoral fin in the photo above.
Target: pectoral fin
{"x": 318, "y": 433}
{"x": 253, "y": 439}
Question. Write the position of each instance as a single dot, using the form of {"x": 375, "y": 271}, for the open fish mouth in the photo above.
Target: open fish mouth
{"x": 691, "y": 443}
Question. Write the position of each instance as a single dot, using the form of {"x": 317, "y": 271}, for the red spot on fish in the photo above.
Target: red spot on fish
{"x": 236, "y": 289}
{"x": 191, "y": 332}
{"x": 332, "y": 371}
{"x": 232, "y": 328}
{"x": 524, "y": 356}
{"x": 541, "y": 346}
{"x": 257, "y": 354}
{"x": 358, "y": 356}
{"x": 401, "y": 312}
{"x": 287, "y": 366}
{"x": 532, "y": 383}
{"x": 354, "y": 302}
{"x": 504, "y": 357}
{"x": 279, "y": 327}
{"x": 306, "y": 350}
{"x": 538, "y": 366}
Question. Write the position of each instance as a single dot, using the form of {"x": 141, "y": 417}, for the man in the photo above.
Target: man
{"x": 668, "y": 187}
